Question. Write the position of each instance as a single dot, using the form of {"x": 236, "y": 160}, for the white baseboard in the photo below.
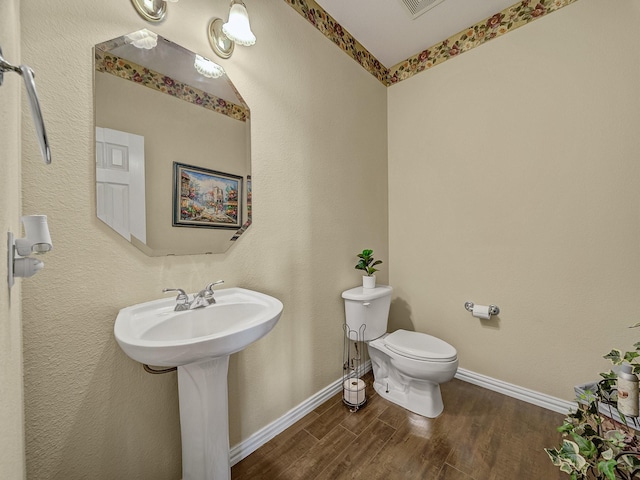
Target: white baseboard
{"x": 262, "y": 436}
{"x": 530, "y": 396}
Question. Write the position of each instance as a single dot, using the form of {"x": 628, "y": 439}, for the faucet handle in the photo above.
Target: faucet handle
{"x": 181, "y": 294}
{"x": 207, "y": 293}
{"x": 181, "y": 300}
{"x": 209, "y": 287}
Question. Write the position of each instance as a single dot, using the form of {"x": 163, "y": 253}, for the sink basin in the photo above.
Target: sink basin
{"x": 199, "y": 343}
{"x": 153, "y": 333}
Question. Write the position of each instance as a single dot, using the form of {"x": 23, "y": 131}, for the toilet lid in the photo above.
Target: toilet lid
{"x": 420, "y": 346}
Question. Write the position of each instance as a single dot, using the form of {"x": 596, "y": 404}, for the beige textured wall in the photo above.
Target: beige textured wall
{"x": 320, "y": 191}
{"x": 11, "y": 403}
{"x": 513, "y": 180}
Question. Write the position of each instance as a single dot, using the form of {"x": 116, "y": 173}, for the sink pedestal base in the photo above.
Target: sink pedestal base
{"x": 204, "y": 419}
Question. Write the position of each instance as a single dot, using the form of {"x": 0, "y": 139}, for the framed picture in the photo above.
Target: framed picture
{"x": 205, "y": 198}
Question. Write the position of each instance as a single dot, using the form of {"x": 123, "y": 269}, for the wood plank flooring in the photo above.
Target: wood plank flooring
{"x": 481, "y": 435}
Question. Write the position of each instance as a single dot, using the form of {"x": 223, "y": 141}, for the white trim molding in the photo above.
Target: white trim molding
{"x": 262, "y": 436}
{"x": 530, "y": 396}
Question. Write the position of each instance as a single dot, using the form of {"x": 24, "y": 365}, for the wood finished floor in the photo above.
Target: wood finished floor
{"x": 481, "y": 435}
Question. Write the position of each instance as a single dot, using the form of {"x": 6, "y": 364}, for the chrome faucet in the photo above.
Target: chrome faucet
{"x": 182, "y": 300}
{"x": 202, "y": 299}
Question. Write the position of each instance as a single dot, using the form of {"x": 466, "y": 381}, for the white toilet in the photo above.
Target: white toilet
{"x": 408, "y": 367}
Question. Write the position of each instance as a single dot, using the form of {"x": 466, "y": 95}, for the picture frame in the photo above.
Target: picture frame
{"x": 204, "y": 198}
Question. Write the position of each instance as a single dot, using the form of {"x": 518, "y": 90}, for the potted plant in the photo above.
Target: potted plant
{"x": 599, "y": 441}
{"x": 368, "y": 263}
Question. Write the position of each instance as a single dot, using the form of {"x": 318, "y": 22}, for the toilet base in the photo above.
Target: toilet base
{"x": 425, "y": 400}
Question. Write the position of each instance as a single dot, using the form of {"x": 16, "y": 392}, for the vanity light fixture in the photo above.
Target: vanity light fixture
{"x": 224, "y": 36}
{"x": 207, "y": 68}
{"x": 152, "y": 10}
{"x": 37, "y": 240}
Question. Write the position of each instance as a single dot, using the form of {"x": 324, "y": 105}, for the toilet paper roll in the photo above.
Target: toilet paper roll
{"x": 481, "y": 311}
{"x": 354, "y": 391}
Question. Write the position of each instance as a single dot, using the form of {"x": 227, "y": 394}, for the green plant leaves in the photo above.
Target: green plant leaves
{"x": 615, "y": 356}
{"x": 568, "y": 458}
{"x": 367, "y": 262}
{"x": 608, "y": 468}
{"x": 629, "y": 356}
{"x": 585, "y": 446}
{"x": 593, "y": 447}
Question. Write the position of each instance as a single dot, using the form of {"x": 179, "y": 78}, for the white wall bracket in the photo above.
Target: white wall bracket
{"x": 20, "y": 266}
{"x": 37, "y": 240}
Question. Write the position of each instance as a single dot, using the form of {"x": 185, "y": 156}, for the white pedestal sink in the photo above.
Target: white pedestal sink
{"x": 199, "y": 343}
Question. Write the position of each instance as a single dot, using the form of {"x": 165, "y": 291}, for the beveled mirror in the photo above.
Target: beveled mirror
{"x": 173, "y": 154}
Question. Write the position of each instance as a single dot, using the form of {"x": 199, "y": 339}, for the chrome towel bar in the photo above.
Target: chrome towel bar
{"x": 27, "y": 75}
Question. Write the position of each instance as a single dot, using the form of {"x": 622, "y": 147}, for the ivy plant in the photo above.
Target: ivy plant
{"x": 594, "y": 445}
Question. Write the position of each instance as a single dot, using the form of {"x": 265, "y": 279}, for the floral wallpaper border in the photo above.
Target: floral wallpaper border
{"x": 109, "y": 63}
{"x": 331, "y": 29}
{"x": 495, "y": 26}
{"x": 503, "y": 22}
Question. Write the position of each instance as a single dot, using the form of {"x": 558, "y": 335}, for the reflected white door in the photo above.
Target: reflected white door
{"x": 120, "y": 188}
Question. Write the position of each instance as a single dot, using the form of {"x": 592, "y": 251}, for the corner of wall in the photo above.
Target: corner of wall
{"x": 12, "y": 460}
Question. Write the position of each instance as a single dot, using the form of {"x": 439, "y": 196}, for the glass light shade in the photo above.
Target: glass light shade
{"x": 207, "y": 68}
{"x": 238, "y": 28}
{"x": 144, "y": 39}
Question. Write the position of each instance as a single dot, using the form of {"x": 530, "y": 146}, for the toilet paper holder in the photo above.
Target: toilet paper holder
{"x": 493, "y": 309}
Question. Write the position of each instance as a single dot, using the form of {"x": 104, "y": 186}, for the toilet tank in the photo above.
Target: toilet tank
{"x": 367, "y": 311}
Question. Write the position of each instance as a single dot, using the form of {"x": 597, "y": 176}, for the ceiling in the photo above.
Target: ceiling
{"x": 386, "y": 30}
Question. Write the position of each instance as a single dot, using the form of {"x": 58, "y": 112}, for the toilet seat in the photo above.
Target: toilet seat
{"x": 420, "y": 346}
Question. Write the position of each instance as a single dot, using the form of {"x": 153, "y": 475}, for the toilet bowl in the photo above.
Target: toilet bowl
{"x": 411, "y": 377}
{"x": 408, "y": 367}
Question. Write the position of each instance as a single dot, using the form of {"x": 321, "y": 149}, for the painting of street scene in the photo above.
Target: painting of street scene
{"x": 206, "y": 198}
